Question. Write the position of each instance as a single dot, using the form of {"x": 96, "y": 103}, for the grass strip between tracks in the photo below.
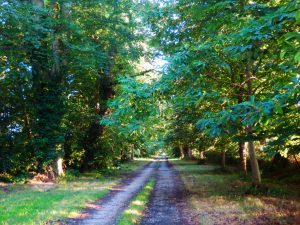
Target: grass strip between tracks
{"x": 134, "y": 212}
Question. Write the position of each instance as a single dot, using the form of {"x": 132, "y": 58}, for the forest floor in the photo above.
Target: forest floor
{"x": 220, "y": 198}
{"x": 37, "y": 203}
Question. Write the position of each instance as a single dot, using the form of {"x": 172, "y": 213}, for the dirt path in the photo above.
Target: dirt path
{"x": 167, "y": 204}
{"x": 106, "y": 211}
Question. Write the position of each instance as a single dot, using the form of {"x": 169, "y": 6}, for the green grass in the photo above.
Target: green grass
{"x": 39, "y": 203}
{"x": 134, "y": 212}
{"x": 220, "y": 196}
{"x": 36, "y": 204}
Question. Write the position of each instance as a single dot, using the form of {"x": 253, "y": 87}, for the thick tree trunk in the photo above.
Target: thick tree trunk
{"x": 243, "y": 158}
{"x": 105, "y": 92}
{"x": 47, "y": 88}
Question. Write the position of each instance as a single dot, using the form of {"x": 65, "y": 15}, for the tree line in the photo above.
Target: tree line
{"x": 60, "y": 66}
{"x": 73, "y": 95}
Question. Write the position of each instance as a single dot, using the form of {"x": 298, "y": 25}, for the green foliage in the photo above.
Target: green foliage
{"x": 232, "y": 65}
{"x": 71, "y": 87}
{"x": 60, "y": 63}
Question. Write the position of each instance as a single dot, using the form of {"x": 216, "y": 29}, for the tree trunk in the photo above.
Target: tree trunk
{"x": 132, "y": 153}
{"x": 242, "y": 149}
{"x": 190, "y": 154}
{"x": 47, "y": 93}
{"x": 223, "y": 159}
{"x": 295, "y": 158}
{"x": 201, "y": 155}
{"x": 256, "y": 179}
{"x": 181, "y": 152}
{"x": 58, "y": 167}
{"x": 185, "y": 151}
{"x": 105, "y": 92}
{"x": 27, "y": 126}
{"x": 243, "y": 158}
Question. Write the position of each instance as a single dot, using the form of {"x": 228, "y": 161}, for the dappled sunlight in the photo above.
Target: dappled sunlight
{"x": 133, "y": 212}
{"x": 77, "y": 215}
{"x": 144, "y": 159}
{"x": 90, "y": 89}
{"x": 3, "y": 184}
{"x": 93, "y": 206}
{"x": 117, "y": 189}
{"x": 253, "y": 203}
{"x": 138, "y": 202}
{"x": 174, "y": 159}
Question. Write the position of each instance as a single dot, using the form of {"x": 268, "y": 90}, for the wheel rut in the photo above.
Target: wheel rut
{"x": 168, "y": 205}
{"x": 107, "y": 210}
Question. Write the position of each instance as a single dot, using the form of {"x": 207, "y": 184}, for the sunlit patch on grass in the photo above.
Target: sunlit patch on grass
{"x": 134, "y": 212}
{"x": 93, "y": 206}
{"x": 3, "y": 184}
{"x": 252, "y": 203}
{"x": 35, "y": 205}
{"x": 138, "y": 202}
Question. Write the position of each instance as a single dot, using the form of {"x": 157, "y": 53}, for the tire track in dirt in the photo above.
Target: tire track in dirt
{"x": 106, "y": 211}
{"x": 168, "y": 205}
